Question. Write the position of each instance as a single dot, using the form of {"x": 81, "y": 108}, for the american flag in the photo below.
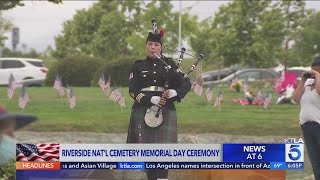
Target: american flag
{"x": 198, "y": 89}
{"x": 37, "y": 152}
{"x": 57, "y": 82}
{"x": 58, "y": 85}
{"x": 108, "y": 83}
{"x": 115, "y": 95}
{"x": 209, "y": 94}
{"x": 245, "y": 87}
{"x": 259, "y": 95}
{"x": 121, "y": 100}
{"x": 11, "y": 86}
{"x": 193, "y": 83}
{"x": 71, "y": 97}
{"x": 267, "y": 101}
{"x": 219, "y": 99}
{"x": 102, "y": 82}
{"x": 61, "y": 91}
{"x": 24, "y": 98}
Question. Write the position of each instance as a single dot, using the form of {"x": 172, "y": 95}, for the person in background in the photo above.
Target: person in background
{"x": 8, "y": 124}
{"x": 286, "y": 98}
{"x": 308, "y": 95}
{"x": 249, "y": 97}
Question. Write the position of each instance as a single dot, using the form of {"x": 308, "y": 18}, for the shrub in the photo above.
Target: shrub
{"x": 119, "y": 70}
{"x": 76, "y": 71}
{"x": 8, "y": 170}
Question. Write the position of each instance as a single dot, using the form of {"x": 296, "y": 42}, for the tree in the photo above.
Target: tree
{"x": 118, "y": 28}
{"x": 5, "y": 5}
{"x": 251, "y": 33}
{"x": 294, "y": 15}
{"x": 99, "y": 31}
{"x": 31, "y": 54}
{"x": 5, "y": 26}
{"x": 167, "y": 20}
{"x": 268, "y": 38}
{"x": 238, "y": 34}
{"x": 201, "y": 42}
{"x": 307, "y": 42}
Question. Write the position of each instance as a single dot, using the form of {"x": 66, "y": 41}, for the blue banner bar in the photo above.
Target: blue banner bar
{"x": 88, "y": 165}
{"x": 254, "y": 152}
{"x": 207, "y": 165}
{"x": 164, "y": 165}
{"x": 182, "y": 165}
{"x": 52, "y": 174}
{"x": 278, "y": 165}
{"x": 295, "y": 165}
{"x": 131, "y": 165}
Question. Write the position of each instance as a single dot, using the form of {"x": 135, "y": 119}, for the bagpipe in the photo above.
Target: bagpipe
{"x": 182, "y": 52}
{"x": 153, "y": 117}
{"x": 178, "y": 70}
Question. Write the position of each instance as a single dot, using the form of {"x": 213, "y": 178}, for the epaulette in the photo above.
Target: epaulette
{"x": 169, "y": 59}
{"x": 138, "y": 61}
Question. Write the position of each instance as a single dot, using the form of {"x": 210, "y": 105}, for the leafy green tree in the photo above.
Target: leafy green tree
{"x": 8, "y": 170}
{"x": 294, "y": 15}
{"x": 75, "y": 71}
{"x": 6, "y": 52}
{"x": 99, "y": 31}
{"x": 5, "y": 26}
{"x": 238, "y": 33}
{"x": 307, "y": 42}
{"x": 268, "y": 38}
{"x": 118, "y": 28}
{"x": 251, "y": 33}
{"x": 167, "y": 20}
{"x": 5, "y": 5}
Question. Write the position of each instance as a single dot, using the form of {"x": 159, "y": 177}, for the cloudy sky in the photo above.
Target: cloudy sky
{"x": 39, "y": 21}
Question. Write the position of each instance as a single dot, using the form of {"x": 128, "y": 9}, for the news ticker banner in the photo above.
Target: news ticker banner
{"x": 174, "y": 156}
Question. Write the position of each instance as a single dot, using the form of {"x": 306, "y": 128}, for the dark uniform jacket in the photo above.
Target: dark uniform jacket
{"x": 149, "y": 72}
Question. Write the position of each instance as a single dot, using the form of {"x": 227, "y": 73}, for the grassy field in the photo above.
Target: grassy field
{"x": 96, "y": 113}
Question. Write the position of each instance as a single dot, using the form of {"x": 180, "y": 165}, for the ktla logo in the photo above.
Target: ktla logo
{"x": 294, "y": 152}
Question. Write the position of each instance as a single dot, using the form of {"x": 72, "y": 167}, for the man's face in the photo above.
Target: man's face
{"x": 153, "y": 47}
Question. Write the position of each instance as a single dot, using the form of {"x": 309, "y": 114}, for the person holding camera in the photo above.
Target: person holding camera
{"x": 308, "y": 95}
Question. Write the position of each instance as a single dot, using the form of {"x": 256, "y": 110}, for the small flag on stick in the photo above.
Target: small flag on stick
{"x": 218, "y": 100}
{"x": 58, "y": 85}
{"x": 209, "y": 94}
{"x": 24, "y": 98}
{"x": 71, "y": 97}
{"x": 11, "y": 86}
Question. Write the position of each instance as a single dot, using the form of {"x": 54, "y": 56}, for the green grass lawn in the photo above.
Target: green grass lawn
{"x": 94, "y": 112}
